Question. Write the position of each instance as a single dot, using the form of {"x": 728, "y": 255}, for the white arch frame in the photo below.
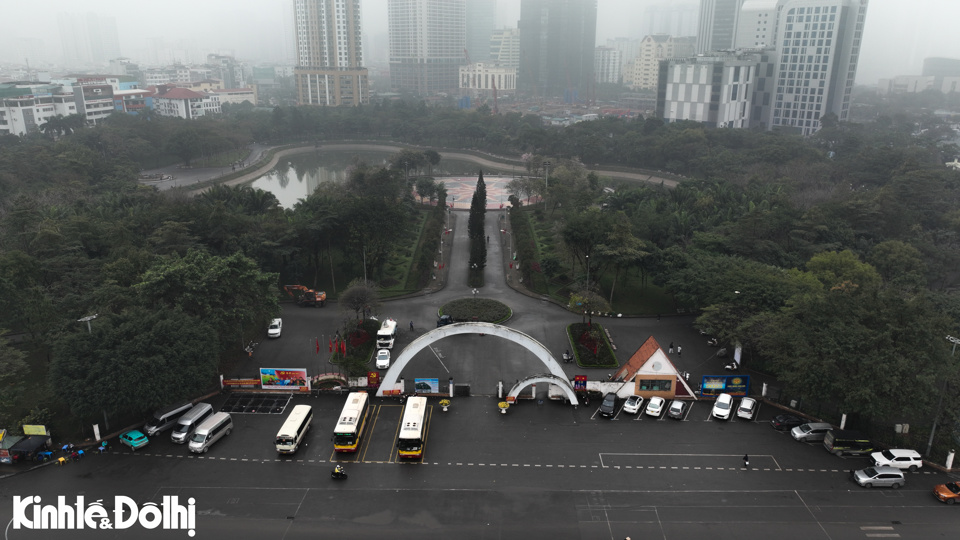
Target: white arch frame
{"x": 549, "y": 378}
{"x": 542, "y": 353}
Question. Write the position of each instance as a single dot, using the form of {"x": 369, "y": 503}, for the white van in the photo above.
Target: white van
{"x": 165, "y": 418}
{"x": 210, "y": 431}
{"x": 189, "y": 421}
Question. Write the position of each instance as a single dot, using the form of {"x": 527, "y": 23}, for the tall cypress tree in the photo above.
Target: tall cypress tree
{"x": 475, "y": 225}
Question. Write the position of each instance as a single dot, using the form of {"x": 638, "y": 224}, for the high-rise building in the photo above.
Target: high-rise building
{"x": 480, "y": 23}
{"x": 757, "y": 25}
{"x": 606, "y": 65}
{"x": 629, "y": 49}
{"x": 718, "y": 25}
{"x": 675, "y": 18}
{"x": 88, "y": 38}
{"x": 941, "y": 67}
{"x": 557, "y": 41}
{"x": 715, "y": 90}
{"x": 329, "y": 66}
{"x": 427, "y": 42}
{"x": 818, "y": 47}
{"x": 505, "y": 47}
{"x": 645, "y": 69}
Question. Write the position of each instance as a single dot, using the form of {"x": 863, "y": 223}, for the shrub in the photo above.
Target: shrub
{"x": 481, "y": 309}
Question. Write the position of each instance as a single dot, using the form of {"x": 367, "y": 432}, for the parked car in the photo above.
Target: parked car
{"x": 880, "y": 477}
{"x": 948, "y": 493}
{"x": 383, "y": 359}
{"x": 276, "y": 325}
{"x": 134, "y": 439}
{"x": 609, "y": 405}
{"x": 632, "y": 405}
{"x": 676, "y": 410}
{"x": 901, "y": 459}
{"x": 811, "y": 431}
{"x": 444, "y": 320}
{"x": 655, "y": 406}
{"x": 747, "y": 408}
{"x": 723, "y": 406}
{"x": 782, "y": 422}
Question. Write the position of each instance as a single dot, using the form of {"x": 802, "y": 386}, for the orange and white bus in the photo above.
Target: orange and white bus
{"x": 350, "y": 426}
{"x": 413, "y": 428}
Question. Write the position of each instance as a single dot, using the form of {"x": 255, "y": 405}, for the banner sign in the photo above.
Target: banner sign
{"x": 373, "y": 378}
{"x": 580, "y": 383}
{"x": 242, "y": 383}
{"x": 426, "y": 386}
{"x": 294, "y": 379}
{"x": 34, "y": 430}
{"x": 735, "y": 385}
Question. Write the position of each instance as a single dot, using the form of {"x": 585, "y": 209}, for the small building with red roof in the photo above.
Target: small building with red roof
{"x": 649, "y": 372}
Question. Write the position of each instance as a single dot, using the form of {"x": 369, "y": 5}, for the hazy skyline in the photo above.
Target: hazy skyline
{"x": 898, "y": 35}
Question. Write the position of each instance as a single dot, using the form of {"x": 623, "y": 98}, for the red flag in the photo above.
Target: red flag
{"x": 343, "y": 347}
{"x": 330, "y": 345}
{"x": 318, "y": 345}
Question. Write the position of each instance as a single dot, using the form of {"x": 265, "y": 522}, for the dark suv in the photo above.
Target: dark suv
{"x": 609, "y": 405}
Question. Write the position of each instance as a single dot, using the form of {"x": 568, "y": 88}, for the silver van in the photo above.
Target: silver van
{"x": 189, "y": 421}
{"x": 880, "y": 477}
{"x": 165, "y": 418}
{"x": 814, "y": 431}
{"x": 210, "y": 431}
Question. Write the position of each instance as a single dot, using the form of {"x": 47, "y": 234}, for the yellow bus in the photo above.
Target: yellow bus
{"x": 292, "y": 432}
{"x": 413, "y": 429}
{"x": 353, "y": 419}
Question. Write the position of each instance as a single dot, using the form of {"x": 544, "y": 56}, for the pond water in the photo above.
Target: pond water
{"x": 296, "y": 177}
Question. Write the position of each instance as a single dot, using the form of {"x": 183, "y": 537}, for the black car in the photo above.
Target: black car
{"x": 444, "y": 320}
{"x": 783, "y": 422}
{"x": 609, "y": 405}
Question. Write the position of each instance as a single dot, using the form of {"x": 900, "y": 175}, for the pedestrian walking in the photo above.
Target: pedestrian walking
{"x": 411, "y": 326}
{"x": 670, "y": 351}
{"x": 746, "y": 461}
{"x": 679, "y": 350}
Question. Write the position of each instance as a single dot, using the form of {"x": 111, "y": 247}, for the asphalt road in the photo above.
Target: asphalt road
{"x": 539, "y": 471}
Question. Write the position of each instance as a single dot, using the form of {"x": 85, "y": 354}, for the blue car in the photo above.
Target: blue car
{"x": 134, "y": 439}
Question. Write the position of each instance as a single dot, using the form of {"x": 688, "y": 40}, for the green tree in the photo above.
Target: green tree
{"x": 230, "y": 293}
{"x": 134, "y": 362}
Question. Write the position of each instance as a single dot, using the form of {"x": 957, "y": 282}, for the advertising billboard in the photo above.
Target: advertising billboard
{"x": 426, "y": 386}
{"x": 293, "y": 379}
{"x": 735, "y": 385}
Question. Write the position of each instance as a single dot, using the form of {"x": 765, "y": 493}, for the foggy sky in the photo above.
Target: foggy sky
{"x": 899, "y": 34}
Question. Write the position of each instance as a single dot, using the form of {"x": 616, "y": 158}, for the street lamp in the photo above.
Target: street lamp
{"x": 546, "y": 166}
{"x": 87, "y": 320}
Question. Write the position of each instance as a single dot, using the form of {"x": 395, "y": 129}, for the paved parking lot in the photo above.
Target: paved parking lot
{"x": 539, "y": 471}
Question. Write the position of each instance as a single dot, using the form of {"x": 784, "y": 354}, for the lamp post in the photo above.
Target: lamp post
{"x": 87, "y": 320}
{"x": 943, "y": 390}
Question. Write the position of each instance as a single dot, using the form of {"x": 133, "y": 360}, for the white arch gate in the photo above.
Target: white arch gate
{"x": 549, "y": 378}
{"x": 556, "y": 375}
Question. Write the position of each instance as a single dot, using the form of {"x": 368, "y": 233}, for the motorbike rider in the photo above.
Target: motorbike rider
{"x": 339, "y": 471}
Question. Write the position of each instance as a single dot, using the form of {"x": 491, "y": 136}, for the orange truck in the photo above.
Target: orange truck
{"x": 306, "y": 297}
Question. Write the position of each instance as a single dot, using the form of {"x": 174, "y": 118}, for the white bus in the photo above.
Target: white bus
{"x": 294, "y": 429}
{"x": 413, "y": 428}
{"x": 386, "y": 334}
{"x": 352, "y": 422}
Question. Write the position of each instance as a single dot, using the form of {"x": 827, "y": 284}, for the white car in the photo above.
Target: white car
{"x": 747, "y": 408}
{"x": 275, "y": 327}
{"x": 383, "y": 359}
{"x": 723, "y": 406}
{"x": 655, "y": 406}
{"x": 632, "y": 406}
{"x": 901, "y": 459}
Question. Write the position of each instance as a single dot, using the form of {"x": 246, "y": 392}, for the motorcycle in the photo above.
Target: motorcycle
{"x": 339, "y": 473}
{"x": 567, "y": 357}
{"x": 733, "y": 366}
{"x": 713, "y": 342}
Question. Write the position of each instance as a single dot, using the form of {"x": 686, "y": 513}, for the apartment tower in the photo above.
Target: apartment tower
{"x": 718, "y": 25}
{"x": 427, "y": 42}
{"x": 557, "y": 42}
{"x": 329, "y": 69}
